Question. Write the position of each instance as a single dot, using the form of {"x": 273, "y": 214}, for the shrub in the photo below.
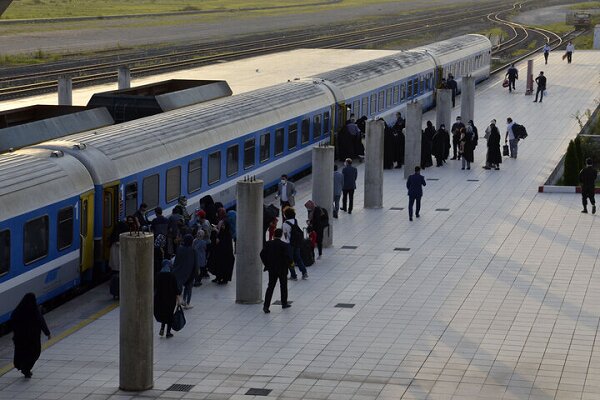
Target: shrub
{"x": 571, "y": 173}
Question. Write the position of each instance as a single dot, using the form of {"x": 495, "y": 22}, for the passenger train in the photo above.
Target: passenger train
{"x": 60, "y": 200}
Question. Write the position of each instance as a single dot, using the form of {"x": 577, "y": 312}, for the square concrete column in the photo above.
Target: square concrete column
{"x": 65, "y": 91}
{"x": 124, "y": 78}
{"x": 136, "y": 346}
{"x": 374, "y": 164}
{"x": 412, "y": 149}
{"x": 443, "y": 108}
{"x": 467, "y": 99}
{"x": 248, "y": 266}
{"x": 323, "y": 158}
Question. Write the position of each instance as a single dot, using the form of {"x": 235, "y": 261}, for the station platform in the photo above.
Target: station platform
{"x": 242, "y": 75}
{"x": 491, "y": 294}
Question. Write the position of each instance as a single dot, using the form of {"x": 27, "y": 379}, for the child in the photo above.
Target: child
{"x": 199, "y": 246}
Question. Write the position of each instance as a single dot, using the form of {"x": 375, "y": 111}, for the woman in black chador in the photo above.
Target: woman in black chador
{"x": 223, "y": 253}
{"x": 27, "y": 324}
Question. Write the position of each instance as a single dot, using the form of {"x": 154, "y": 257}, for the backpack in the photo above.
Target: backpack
{"x": 519, "y": 131}
{"x": 324, "y": 217}
{"x": 296, "y": 234}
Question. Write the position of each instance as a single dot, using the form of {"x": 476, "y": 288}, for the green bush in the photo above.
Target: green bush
{"x": 571, "y": 173}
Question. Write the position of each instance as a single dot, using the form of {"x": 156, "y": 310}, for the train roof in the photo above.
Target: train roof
{"x": 370, "y": 75}
{"x": 125, "y": 149}
{"x": 35, "y": 178}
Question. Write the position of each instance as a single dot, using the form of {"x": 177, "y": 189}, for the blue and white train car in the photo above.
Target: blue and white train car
{"x": 200, "y": 150}
{"x": 379, "y": 88}
{"x": 46, "y": 202}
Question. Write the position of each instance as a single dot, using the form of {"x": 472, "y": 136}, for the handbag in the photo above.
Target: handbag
{"x": 505, "y": 83}
{"x": 178, "y": 319}
{"x": 505, "y": 150}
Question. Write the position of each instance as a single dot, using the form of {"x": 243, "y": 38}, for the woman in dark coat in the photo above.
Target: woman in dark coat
{"x": 426, "y": 144}
{"x": 185, "y": 269}
{"x": 223, "y": 250}
{"x": 165, "y": 297}
{"x": 27, "y": 324}
{"x": 493, "y": 156}
{"x": 388, "y": 147}
{"x": 468, "y": 145}
{"x": 438, "y": 147}
{"x": 344, "y": 144}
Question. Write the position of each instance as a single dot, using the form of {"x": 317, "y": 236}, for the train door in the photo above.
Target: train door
{"x": 86, "y": 231}
{"x": 110, "y": 215}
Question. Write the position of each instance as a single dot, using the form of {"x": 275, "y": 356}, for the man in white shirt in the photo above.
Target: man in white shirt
{"x": 513, "y": 142}
{"x": 570, "y": 50}
{"x": 285, "y": 192}
{"x": 546, "y": 51}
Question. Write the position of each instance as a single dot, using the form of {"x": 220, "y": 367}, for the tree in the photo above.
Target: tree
{"x": 579, "y": 152}
{"x": 571, "y": 172}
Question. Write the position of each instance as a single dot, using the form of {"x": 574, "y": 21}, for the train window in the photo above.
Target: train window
{"x": 65, "y": 228}
{"x": 173, "y": 184}
{"x": 194, "y": 175}
{"x": 107, "y": 209}
{"x": 292, "y": 136}
{"x": 249, "y": 155}
{"x": 35, "y": 239}
{"x": 233, "y": 159}
{"x": 373, "y": 108}
{"x": 4, "y": 252}
{"x": 326, "y": 127}
{"x": 265, "y": 146}
{"x": 214, "y": 167}
{"x": 409, "y": 89}
{"x": 381, "y": 101}
{"x": 279, "y": 142}
{"x": 150, "y": 190}
{"x": 356, "y": 107}
{"x": 131, "y": 198}
{"x": 396, "y": 95}
{"x": 317, "y": 128}
{"x": 365, "y": 106}
{"x": 388, "y": 98}
{"x": 403, "y": 92}
{"x": 416, "y": 86}
{"x": 305, "y": 131}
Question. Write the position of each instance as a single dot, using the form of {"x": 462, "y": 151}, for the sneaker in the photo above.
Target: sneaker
{"x": 463, "y": 168}
{"x": 468, "y": 167}
{"x": 304, "y": 276}
{"x": 169, "y": 335}
{"x": 497, "y": 169}
{"x": 594, "y": 209}
{"x": 417, "y": 215}
{"x": 293, "y": 278}
{"x": 266, "y": 310}
{"x": 188, "y": 306}
{"x": 584, "y": 211}
{"x": 286, "y": 305}
{"x": 486, "y": 167}
{"x": 161, "y": 332}
{"x": 410, "y": 218}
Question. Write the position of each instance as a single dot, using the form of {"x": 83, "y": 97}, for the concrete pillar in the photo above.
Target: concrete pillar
{"x": 529, "y": 89}
{"x": 136, "y": 357}
{"x": 412, "y": 149}
{"x": 467, "y": 99}
{"x": 124, "y": 78}
{"x": 374, "y": 164}
{"x": 249, "y": 268}
{"x": 597, "y": 37}
{"x": 323, "y": 158}
{"x": 65, "y": 91}
{"x": 443, "y": 108}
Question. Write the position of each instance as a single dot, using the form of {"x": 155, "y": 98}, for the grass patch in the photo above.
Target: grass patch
{"x": 26, "y": 9}
{"x": 585, "y": 6}
{"x": 39, "y": 57}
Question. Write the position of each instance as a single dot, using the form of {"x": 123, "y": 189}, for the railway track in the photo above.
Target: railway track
{"x": 28, "y": 84}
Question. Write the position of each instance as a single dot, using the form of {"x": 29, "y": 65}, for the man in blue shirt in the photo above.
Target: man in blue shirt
{"x": 414, "y": 184}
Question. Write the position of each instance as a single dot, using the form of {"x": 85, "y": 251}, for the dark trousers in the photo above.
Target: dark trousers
{"x": 320, "y": 239}
{"x": 569, "y": 57}
{"x": 348, "y": 193}
{"x": 588, "y": 194}
{"x": 511, "y": 84}
{"x": 539, "y": 91}
{"x": 411, "y": 202}
{"x": 453, "y": 98}
{"x": 274, "y": 276}
{"x": 455, "y": 152}
{"x": 546, "y": 57}
{"x": 439, "y": 161}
